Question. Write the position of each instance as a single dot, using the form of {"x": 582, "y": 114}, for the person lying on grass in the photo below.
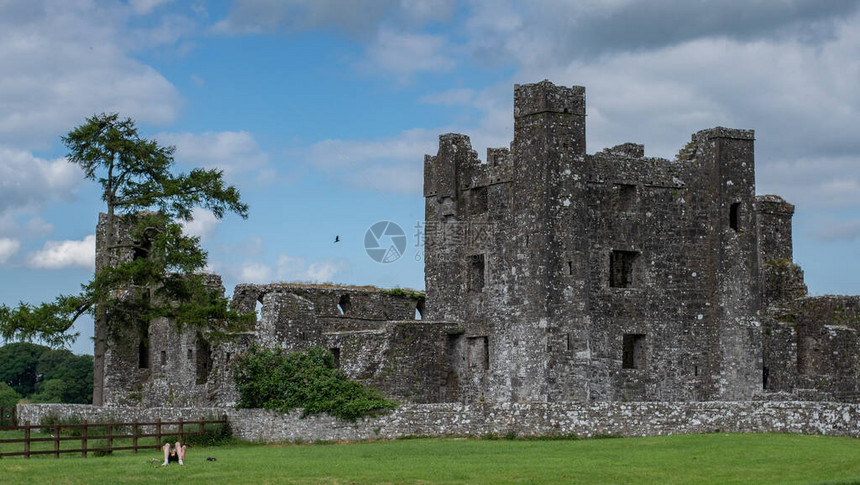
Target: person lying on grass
{"x": 175, "y": 454}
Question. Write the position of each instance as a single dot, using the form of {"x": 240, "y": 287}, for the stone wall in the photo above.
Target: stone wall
{"x": 526, "y": 419}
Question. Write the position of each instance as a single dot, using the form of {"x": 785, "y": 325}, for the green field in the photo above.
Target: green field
{"x": 713, "y": 458}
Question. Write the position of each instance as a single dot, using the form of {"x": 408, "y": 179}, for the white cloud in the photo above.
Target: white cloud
{"x": 428, "y": 10}
{"x": 287, "y": 268}
{"x": 64, "y": 61}
{"x": 388, "y": 165}
{"x": 404, "y": 53}
{"x": 8, "y": 248}
{"x": 251, "y": 272}
{"x": 28, "y": 182}
{"x": 144, "y": 7}
{"x": 291, "y": 268}
{"x": 65, "y": 254}
{"x": 203, "y": 223}
{"x": 258, "y": 16}
{"x": 449, "y": 97}
{"x": 231, "y": 151}
{"x": 838, "y": 230}
{"x": 37, "y": 227}
{"x": 324, "y": 271}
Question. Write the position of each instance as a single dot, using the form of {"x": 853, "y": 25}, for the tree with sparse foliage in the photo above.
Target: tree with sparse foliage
{"x": 143, "y": 195}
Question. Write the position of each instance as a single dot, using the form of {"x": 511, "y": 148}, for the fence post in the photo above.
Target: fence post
{"x": 56, "y": 440}
{"x": 110, "y": 435}
{"x": 134, "y": 436}
{"x": 181, "y": 431}
{"x": 15, "y": 416}
{"x": 27, "y": 439}
{"x": 84, "y": 438}
{"x": 201, "y": 429}
{"x": 158, "y": 431}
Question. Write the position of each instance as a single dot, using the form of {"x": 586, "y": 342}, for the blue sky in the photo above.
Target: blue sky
{"x": 320, "y": 111}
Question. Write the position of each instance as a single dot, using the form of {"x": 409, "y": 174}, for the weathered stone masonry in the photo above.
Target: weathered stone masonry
{"x": 521, "y": 419}
{"x": 554, "y": 275}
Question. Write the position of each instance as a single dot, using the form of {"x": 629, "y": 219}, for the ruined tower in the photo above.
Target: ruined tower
{"x": 596, "y": 277}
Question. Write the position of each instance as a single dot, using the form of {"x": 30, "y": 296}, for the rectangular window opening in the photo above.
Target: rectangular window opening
{"x": 204, "y": 359}
{"x": 633, "y": 354}
{"x": 476, "y": 273}
{"x": 163, "y": 357}
{"x": 734, "y": 215}
{"x": 621, "y": 265}
{"x": 623, "y": 197}
{"x": 335, "y": 352}
{"x": 480, "y": 201}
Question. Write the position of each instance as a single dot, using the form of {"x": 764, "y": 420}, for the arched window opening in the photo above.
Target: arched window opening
{"x": 258, "y": 309}
{"x": 419, "y": 310}
{"x": 343, "y": 305}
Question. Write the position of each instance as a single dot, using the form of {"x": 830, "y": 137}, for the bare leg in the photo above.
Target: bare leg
{"x": 166, "y": 450}
{"x": 180, "y": 451}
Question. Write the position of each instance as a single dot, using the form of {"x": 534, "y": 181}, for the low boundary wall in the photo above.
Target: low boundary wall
{"x": 526, "y": 419}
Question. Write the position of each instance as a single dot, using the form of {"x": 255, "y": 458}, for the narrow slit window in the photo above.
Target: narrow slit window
{"x": 633, "y": 353}
{"x": 476, "y": 273}
{"x": 143, "y": 346}
{"x": 335, "y": 353}
{"x": 734, "y": 216}
{"x": 486, "y": 353}
{"x": 204, "y": 359}
{"x": 163, "y": 357}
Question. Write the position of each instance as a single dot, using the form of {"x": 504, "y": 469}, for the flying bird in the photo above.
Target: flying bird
{"x": 337, "y": 238}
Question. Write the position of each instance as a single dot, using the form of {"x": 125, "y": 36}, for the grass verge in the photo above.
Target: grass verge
{"x": 714, "y": 458}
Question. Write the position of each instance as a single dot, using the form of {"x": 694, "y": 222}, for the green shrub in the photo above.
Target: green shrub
{"x": 274, "y": 379}
{"x": 8, "y": 397}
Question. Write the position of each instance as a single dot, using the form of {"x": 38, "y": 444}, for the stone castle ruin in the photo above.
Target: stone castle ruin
{"x": 554, "y": 275}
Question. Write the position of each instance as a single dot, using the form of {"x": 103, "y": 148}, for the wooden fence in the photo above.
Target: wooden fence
{"x": 108, "y": 432}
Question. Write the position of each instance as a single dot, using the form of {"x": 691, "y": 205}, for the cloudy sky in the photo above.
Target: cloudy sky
{"x": 320, "y": 111}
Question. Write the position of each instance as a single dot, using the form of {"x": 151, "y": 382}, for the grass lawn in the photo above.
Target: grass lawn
{"x": 713, "y": 458}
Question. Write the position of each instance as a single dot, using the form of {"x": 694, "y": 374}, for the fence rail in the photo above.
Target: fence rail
{"x": 108, "y": 432}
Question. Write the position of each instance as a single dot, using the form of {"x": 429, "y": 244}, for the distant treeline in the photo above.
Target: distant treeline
{"x": 37, "y": 373}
